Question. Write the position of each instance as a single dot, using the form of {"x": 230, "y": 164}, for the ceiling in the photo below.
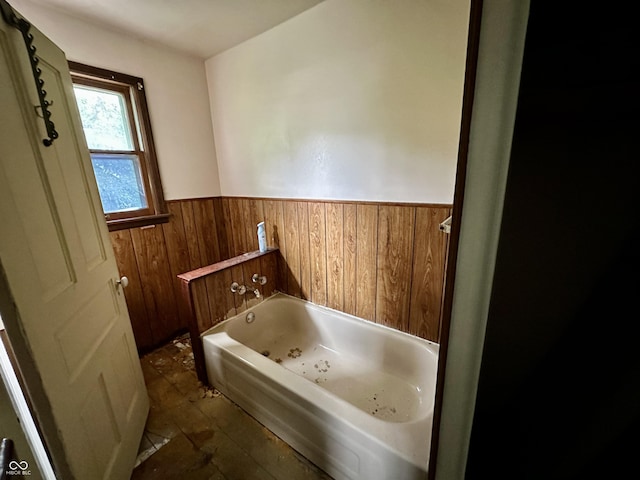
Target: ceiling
{"x": 202, "y": 28}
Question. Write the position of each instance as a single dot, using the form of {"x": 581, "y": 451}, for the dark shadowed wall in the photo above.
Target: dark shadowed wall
{"x": 558, "y": 394}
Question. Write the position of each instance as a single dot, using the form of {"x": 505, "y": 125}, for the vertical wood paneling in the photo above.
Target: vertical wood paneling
{"x": 201, "y": 300}
{"x": 221, "y": 227}
{"x": 222, "y": 302}
{"x": 254, "y": 214}
{"x": 185, "y": 299}
{"x": 350, "y": 252}
{"x": 248, "y": 244}
{"x": 335, "y": 255}
{"x": 218, "y": 278}
{"x": 191, "y": 234}
{"x": 318, "y": 253}
{"x": 395, "y": 249}
{"x": 248, "y": 269}
{"x": 189, "y": 219}
{"x": 157, "y": 287}
{"x": 128, "y": 267}
{"x": 238, "y": 227}
{"x": 155, "y": 256}
{"x": 239, "y": 301}
{"x": 305, "y": 256}
{"x": 274, "y": 223}
{"x": 366, "y": 260}
{"x": 430, "y": 248}
{"x": 177, "y": 250}
{"x": 206, "y": 232}
{"x": 220, "y": 297}
{"x": 269, "y": 268}
{"x": 381, "y": 262}
{"x": 292, "y": 255}
{"x": 228, "y": 233}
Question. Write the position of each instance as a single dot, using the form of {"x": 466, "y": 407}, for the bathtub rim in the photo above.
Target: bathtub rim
{"x": 281, "y": 295}
{"x": 254, "y": 359}
{"x": 432, "y": 347}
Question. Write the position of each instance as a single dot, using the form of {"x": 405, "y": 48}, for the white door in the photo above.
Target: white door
{"x": 61, "y": 272}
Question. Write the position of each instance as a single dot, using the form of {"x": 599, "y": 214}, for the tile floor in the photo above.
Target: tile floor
{"x": 197, "y": 433}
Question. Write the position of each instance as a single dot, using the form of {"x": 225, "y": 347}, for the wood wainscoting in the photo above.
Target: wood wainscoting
{"x": 211, "y": 286}
{"x": 384, "y": 262}
{"x": 152, "y": 258}
{"x": 380, "y": 261}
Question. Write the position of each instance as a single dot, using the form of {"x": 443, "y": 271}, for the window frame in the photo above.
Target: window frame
{"x": 133, "y": 90}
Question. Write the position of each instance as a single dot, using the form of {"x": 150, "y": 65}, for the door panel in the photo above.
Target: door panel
{"x": 78, "y": 339}
{"x": 61, "y": 271}
{"x": 68, "y": 167}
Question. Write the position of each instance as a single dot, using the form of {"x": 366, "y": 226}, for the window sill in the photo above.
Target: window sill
{"x": 136, "y": 222}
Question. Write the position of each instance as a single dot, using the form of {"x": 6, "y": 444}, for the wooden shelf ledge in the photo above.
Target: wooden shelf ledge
{"x": 223, "y": 265}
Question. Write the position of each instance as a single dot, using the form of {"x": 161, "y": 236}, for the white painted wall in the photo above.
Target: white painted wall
{"x": 176, "y": 91}
{"x": 351, "y": 100}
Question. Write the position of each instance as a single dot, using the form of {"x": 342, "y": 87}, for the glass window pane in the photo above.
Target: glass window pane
{"x": 119, "y": 182}
{"x": 104, "y": 118}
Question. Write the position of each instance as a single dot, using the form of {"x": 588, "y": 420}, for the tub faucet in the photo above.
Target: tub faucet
{"x": 239, "y": 289}
{"x": 243, "y": 289}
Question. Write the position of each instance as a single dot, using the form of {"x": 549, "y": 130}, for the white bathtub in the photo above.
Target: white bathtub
{"x": 353, "y": 397}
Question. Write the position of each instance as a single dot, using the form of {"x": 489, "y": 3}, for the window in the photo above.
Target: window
{"x": 115, "y": 120}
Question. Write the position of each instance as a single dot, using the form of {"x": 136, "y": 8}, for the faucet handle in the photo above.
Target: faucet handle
{"x": 261, "y": 279}
{"x": 239, "y": 289}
